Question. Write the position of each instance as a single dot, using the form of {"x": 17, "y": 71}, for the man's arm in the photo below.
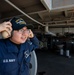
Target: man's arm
{"x": 35, "y": 41}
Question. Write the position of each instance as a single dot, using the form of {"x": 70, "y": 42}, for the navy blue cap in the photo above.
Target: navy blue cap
{"x": 18, "y": 23}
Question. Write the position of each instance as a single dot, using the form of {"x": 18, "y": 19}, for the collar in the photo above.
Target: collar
{"x": 11, "y": 47}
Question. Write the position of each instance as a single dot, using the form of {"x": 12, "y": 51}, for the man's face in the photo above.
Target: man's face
{"x": 20, "y": 36}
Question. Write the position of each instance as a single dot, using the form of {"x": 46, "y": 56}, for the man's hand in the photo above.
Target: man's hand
{"x": 31, "y": 35}
{"x": 5, "y": 29}
{"x": 6, "y": 26}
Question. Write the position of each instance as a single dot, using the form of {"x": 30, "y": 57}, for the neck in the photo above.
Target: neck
{"x": 14, "y": 41}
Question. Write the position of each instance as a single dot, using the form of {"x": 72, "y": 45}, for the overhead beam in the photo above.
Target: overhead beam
{"x": 40, "y": 14}
{"x": 58, "y": 5}
{"x": 34, "y": 8}
{"x": 47, "y": 4}
{"x": 65, "y": 13}
{"x": 61, "y": 24}
{"x": 36, "y": 12}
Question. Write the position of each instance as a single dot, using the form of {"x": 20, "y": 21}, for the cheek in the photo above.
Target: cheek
{"x": 16, "y": 36}
{"x": 26, "y": 34}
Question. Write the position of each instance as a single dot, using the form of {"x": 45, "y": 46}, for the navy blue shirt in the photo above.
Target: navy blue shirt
{"x": 14, "y": 61}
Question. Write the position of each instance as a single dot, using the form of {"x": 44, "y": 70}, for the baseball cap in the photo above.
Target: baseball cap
{"x": 18, "y": 23}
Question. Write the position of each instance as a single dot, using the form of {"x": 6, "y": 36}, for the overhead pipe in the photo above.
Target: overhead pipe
{"x": 23, "y": 12}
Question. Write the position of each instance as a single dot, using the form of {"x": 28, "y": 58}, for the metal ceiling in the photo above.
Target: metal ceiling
{"x": 36, "y": 9}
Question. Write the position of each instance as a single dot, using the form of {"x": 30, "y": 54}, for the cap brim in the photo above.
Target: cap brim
{"x": 30, "y": 26}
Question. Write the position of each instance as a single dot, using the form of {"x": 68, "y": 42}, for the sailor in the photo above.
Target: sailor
{"x": 15, "y": 49}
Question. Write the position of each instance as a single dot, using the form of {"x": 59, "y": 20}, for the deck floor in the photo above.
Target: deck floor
{"x": 54, "y": 64}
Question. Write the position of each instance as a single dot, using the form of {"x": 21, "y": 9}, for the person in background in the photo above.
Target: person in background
{"x": 15, "y": 50}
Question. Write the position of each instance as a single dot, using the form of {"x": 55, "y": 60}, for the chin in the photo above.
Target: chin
{"x": 23, "y": 41}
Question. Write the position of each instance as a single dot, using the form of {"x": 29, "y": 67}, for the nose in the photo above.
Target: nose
{"x": 26, "y": 33}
